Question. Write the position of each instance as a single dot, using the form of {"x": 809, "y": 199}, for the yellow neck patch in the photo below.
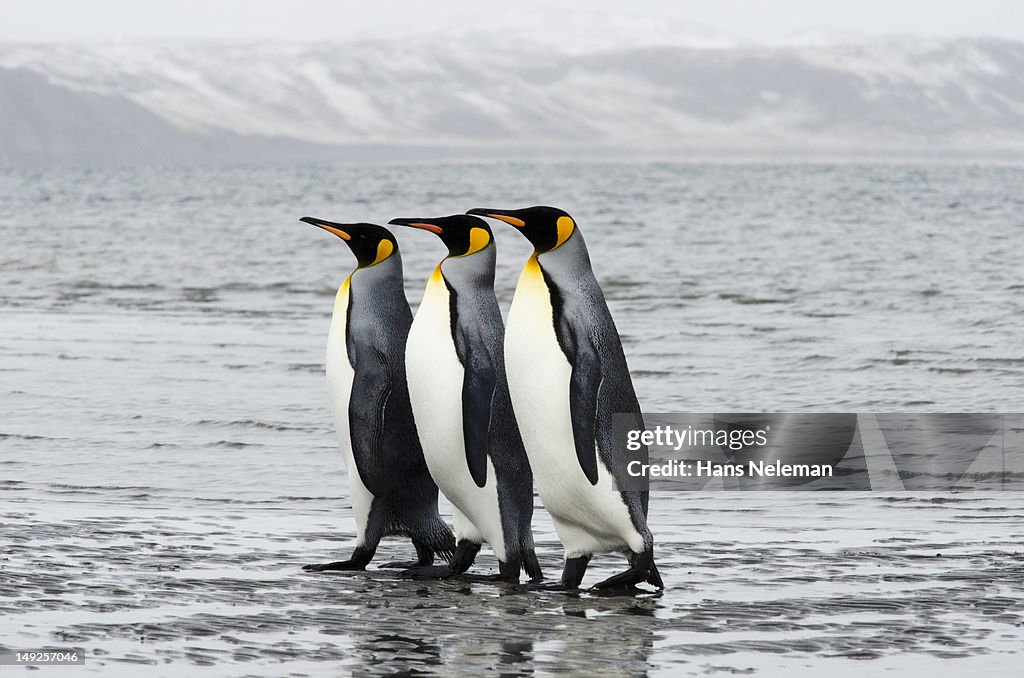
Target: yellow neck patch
{"x": 532, "y": 264}
{"x": 565, "y": 226}
{"x": 478, "y": 239}
{"x": 341, "y": 298}
{"x": 384, "y": 250}
{"x": 437, "y": 276}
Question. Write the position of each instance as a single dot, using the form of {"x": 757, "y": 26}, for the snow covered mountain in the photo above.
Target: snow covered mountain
{"x": 683, "y": 92}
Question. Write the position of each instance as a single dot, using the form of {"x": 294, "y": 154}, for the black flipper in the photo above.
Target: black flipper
{"x": 374, "y": 383}
{"x": 477, "y": 395}
{"x": 583, "y": 389}
{"x": 585, "y": 381}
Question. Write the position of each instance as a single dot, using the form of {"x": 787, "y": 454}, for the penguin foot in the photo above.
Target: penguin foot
{"x": 361, "y": 557}
{"x": 489, "y": 578}
{"x": 624, "y": 580}
{"x": 624, "y": 590}
{"x": 551, "y": 586}
{"x": 429, "y": 572}
{"x": 400, "y": 564}
{"x": 641, "y": 569}
{"x": 338, "y": 566}
{"x": 509, "y": 571}
{"x": 464, "y": 556}
{"x": 572, "y": 575}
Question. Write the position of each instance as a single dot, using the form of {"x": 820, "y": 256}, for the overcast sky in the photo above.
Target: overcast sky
{"x": 758, "y": 20}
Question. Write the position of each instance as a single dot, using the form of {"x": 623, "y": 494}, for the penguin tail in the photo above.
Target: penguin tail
{"x": 531, "y": 565}
{"x": 654, "y": 577}
{"x": 528, "y": 553}
{"x": 438, "y": 537}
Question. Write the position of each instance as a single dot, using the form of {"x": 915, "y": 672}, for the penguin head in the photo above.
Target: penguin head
{"x": 370, "y": 243}
{"x": 462, "y": 234}
{"x": 545, "y": 227}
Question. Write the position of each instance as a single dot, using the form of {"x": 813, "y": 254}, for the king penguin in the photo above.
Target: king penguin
{"x": 567, "y": 375}
{"x": 460, "y": 399}
{"x": 391, "y": 489}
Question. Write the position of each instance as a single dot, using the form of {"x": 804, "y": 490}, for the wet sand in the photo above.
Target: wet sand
{"x": 817, "y": 582}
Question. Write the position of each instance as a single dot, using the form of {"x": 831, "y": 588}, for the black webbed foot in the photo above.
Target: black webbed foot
{"x": 572, "y": 575}
{"x": 623, "y": 590}
{"x": 337, "y": 566}
{"x": 361, "y": 557}
{"x": 400, "y": 564}
{"x": 630, "y": 577}
{"x": 641, "y": 569}
{"x": 552, "y": 586}
{"x": 429, "y": 572}
{"x": 489, "y": 578}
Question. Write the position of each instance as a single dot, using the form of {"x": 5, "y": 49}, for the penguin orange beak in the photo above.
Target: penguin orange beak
{"x": 423, "y": 224}
{"x": 330, "y": 226}
{"x": 500, "y": 215}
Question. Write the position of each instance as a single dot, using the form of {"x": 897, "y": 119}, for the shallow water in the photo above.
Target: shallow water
{"x": 167, "y": 462}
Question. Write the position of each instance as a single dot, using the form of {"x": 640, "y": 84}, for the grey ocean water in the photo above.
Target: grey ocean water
{"x": 167, "y": 462}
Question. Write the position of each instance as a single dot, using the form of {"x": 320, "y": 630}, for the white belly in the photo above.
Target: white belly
{"x": 339, "y": 389}
{"x": 588, "y": 518}
{"x": 435, "y": 378}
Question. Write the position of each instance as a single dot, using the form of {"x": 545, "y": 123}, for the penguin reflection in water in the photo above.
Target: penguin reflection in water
{"x": 462, "y": 406}
{"x": 391, "y": 489}
{"x": 567, "y": 375}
